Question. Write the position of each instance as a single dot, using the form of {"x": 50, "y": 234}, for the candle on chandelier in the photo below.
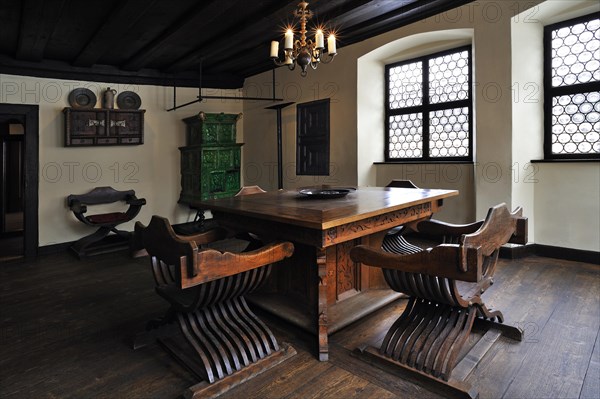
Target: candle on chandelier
{"x": 289, "y": 39}
{"x": 319, "y": 39}
{"x": 288, "y": 59}
{"x": 331, "y": 49}
{"x": 274, "y": 49}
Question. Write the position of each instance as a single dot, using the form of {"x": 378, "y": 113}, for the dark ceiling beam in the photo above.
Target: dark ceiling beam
{"x": 38, "y": 20}
{"x": 256, "y": 23}
{"x": 402, "y": 16}
{"x": 212, "y": 9}
{"x": 107, "y": 73}
{"x": 122, "y": 17}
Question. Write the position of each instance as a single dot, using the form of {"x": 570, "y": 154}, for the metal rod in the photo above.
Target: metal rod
{"x": 183, "y": 105}
{"x": 201, "y": 97}
{"x": 278, "y": 108}
{"x": 241, "y": 98}
{"x": 200, "y": 80}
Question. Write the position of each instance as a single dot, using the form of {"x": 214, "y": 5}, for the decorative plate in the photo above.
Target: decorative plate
{"x": 82, "y": 98}
{"x": 321, "y": 193}
{"x": 129, "y": 100}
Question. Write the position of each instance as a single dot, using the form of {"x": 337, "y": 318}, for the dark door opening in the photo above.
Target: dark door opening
{"x": 18, "y": 181}
{"x": 12, "y": 185}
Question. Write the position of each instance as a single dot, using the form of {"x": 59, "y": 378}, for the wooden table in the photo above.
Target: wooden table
{"x": 320, "y": 288}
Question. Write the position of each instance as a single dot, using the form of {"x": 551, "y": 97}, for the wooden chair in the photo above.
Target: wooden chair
{"x": 104, "y": 222}
{"x": 445, "y": 284}
{"x": 226, "y": 342}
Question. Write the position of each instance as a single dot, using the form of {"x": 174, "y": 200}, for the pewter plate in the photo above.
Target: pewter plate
{"x": 129, "y": 100}
{"x": 324, "y": 193}
{"x": 82, "y": 98}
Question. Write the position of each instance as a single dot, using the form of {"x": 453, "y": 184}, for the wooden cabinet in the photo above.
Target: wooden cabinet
{"x": 211, "y": 159}
{"x": 97, "y": 126}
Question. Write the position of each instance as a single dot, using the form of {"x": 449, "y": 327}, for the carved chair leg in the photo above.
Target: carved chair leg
{"x": 154, "y": 329}
{"x": 226, "y": 337}
{"x": 428, "y": 336}
{"x": 82, "y": 244}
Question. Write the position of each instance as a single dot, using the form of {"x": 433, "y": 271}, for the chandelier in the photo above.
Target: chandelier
{"x": 304, "y": 52}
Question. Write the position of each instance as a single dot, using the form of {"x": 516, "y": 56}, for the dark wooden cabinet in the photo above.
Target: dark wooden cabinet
{"x": 97, "y": 127}
{"x": 211, "y": 159}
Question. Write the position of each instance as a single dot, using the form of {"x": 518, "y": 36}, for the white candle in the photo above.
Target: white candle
{"x": 289, "y": 39}
{"x": 274, "y": 49}
{"x": 319, "y": 39}
{"x": 331, "y": 45}
{"x": 288, "y": 59}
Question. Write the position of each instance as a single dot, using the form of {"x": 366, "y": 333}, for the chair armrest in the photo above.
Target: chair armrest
{"x": 211, "y": 264}
{"x": 521, "y": 234}
{"x": 77, "y": 207}
{"x": 205, "y": 237}
{"x": 440, "y": 261}
{"x": 136, "y": 201}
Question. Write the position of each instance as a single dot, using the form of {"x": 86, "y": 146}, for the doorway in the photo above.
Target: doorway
{"x": 19, "y": 167}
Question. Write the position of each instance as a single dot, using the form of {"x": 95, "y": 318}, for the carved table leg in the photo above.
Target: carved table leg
{"x": 322, "y": 305}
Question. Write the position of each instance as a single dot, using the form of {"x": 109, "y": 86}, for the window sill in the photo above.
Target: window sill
{"x": 421, "y": 162}
{"x": 586, "y": 160}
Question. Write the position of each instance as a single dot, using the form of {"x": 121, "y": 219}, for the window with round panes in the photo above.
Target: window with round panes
{"x": 572, "y": 89}
{"x": 429, "y": 108}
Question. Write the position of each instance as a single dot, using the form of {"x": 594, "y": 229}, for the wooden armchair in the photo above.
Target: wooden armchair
{"x": 224, "y": 342}
{"x": 445, "y": 284}
{"x": 105, "y": 222}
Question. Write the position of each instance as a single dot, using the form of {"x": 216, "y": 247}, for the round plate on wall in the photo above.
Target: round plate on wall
{"x": 129, "y": 100}
{"x": 82, "y": 98}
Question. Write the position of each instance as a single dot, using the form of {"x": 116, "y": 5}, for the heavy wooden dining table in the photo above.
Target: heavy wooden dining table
{"x": 319, "y": 288}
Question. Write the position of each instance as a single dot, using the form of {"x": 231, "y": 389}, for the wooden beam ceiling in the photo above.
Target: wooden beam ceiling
{"x": 162, "y": 42}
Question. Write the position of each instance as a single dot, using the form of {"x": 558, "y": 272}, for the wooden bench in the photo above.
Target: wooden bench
{"x": 445, "y": 284}
{"x": 221, "y": 340}
{"x": 104, "y": 222}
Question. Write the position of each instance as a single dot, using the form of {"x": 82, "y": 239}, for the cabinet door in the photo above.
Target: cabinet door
{"x": 82, "y": 127}
{"x": 128, "y": 125}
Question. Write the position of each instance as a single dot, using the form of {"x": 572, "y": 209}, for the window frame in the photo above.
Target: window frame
{"x": 550, "y": 92}
{"x": 425, "y": 108}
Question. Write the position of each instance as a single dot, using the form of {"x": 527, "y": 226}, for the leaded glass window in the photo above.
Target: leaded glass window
{"x": 429, "y": 108}
{"x": 572, "y": 88}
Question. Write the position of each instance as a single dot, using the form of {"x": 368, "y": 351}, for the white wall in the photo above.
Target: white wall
{"x": 565, "y": 196}
{"x": 151, "y": 169}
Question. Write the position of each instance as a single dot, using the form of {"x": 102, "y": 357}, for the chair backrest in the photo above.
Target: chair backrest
{"x": 400, "y": 183}
{"x": 101, "y": 195}
{"x": 247, "y": 190}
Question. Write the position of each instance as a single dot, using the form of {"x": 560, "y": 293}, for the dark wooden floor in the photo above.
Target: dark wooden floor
{"x": 65, "y": 325}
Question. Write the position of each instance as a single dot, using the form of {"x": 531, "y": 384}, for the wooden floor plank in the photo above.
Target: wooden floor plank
{"x": 65, "y": 325}
{"x": 529, "y": 301}
{"x": 566, "y": 342}
{"x": 591, "y": 384}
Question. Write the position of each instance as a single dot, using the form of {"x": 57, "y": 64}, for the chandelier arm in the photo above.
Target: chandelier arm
{"x": 328, "y": 59}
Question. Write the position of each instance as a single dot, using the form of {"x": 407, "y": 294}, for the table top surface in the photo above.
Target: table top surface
{"x": 288, "y": 206}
